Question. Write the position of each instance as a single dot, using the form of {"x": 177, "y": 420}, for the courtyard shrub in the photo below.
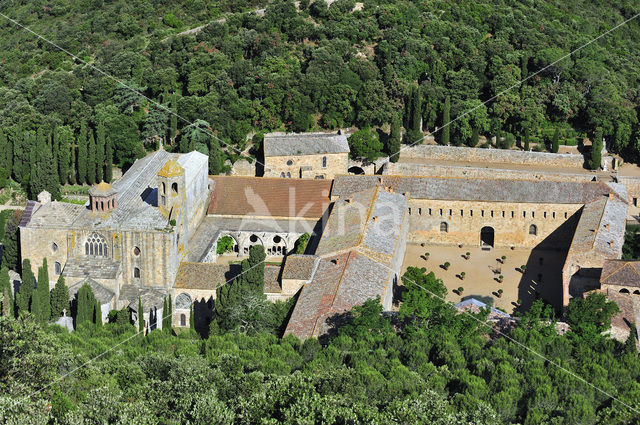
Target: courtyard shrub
{"x": 225, "y": 244}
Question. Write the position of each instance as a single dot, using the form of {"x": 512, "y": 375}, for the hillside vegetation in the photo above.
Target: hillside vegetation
{"x": 232, "y": 71}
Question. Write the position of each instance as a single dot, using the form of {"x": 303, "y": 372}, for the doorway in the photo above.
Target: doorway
{"x": 487, "y": 236}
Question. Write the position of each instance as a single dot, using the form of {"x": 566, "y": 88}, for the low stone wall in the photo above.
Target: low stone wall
{"x": 502, "y": 156}
{"x": 435, "y": 170}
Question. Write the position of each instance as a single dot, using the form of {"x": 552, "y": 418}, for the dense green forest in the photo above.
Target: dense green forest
{"x": 426, "y": 364}
{"x": 245, "y": 69}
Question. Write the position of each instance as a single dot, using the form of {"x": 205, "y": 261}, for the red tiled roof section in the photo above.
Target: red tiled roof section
{"x": 269, "y": 197}
{"x": 621, "y": 272}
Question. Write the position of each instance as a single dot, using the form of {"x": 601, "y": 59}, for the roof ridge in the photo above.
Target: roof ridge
{"x": 335, "y": 294}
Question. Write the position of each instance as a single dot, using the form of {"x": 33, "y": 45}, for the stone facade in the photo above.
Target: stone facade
{"x": 305, "y": 155}
{"x": 132, "y": 234}
{"x": 321, "y": 166}
{"x": 513, "y": 224}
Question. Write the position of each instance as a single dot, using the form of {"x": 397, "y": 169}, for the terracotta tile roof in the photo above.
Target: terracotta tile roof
{"x": 478, "y": 189}
{"x": 335, "y": 290}
{"x": 204, "y": 275}
{"x": 621, "y": 272}
{"x": 272, "y": 279}
{"x": 299, "y": 267}
{"x": 269, "y": 197}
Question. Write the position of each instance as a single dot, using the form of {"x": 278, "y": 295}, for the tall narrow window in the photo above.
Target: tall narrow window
{"x": 58, "y": 268}
{"x": 183, "y": 320}
{"x": 136, "y": 273}
{"x": 324, "y": 162}
{"x": 444, "y": 227}
{"x": 533, "y": 230}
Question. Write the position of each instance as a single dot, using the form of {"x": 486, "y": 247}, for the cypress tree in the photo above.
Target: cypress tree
{"x": 73, "y": 152}
{"x": 526, "y": 139}
{"x": 140, "y": 315}
{"x": 173, "y": 127}
{"x": 192, "y": 322}
{"x": 100, "y": 150}
{"x": 164, "y": 313}
{"x": 82, "y": 154}
{"x": 85, "y": 305}
{"x": 555, "y": 141}
{"x": 25, "y": 294}
{"x": 97, "y": 311}
{"x": 395, "y": 139}
{"x": 59, "y": 299}
{"x": 19, "y": 141}
{"x": 6, "y": 160}
{"x": 475, "y": 137}
{"x": 91, "y": 160}
{"x": 41, "y": 305}
{"x": 53, "y": 149}
{"x": 596, "y": 150}
{"x": 6, "y": 306}
{"x": 416, "y": 113}
{"x": 62, "y": 139}
{"x": 446, "y": 117}
{"x": 215, "y": 157}
{"x": 170, "y": 314}
{"x": 108, "y": 155}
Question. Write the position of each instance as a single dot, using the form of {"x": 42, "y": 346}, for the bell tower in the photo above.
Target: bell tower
{"x": 171, "y": 186}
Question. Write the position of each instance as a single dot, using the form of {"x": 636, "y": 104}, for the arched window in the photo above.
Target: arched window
{"x": 58, "y": 268}
{"x": 96, "y": 246}
{"x": 183, "y": 320}
{"x": 533, "y": 230}
{"x": 54, "y": 247}
{"x": 282, "y": 174}
{"x": 174, "y": 187}
{"x": 136, "y": 272}
{"x": 164, "y": 188}
{"x": 624, "y": 291}
{"x": 136, "y": 251}
{"x": 324, "y": 162}
{"x": 444, "y": 227}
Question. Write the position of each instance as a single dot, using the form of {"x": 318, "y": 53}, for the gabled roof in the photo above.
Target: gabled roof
{"x": 53, "y": 214}
{"x": 300, "y": 267}
{"x": 269, "y": 197}
{"x": 479, "y": 189}
{"x": 292, "y": 144}
{"x": 171, "y": 169}
{"x": 102, "y": 294}
{"x": 621, "y": 273}
{"x": 205, "y": 275}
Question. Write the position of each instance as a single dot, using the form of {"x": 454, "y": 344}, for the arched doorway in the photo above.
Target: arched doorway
{"x": 487, "y": 236}
{"x": 355, "y": 170}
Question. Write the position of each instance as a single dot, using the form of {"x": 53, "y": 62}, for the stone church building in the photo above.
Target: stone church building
{"x": 131, "y": 236}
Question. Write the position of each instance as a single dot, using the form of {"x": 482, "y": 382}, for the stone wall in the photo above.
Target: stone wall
{"x": 501, "y": 156}
{"x": 306, "y": 166}
{"x": 437, "y": 170}
{"x": 464, "y": 221}
{"x": 36, "y": 244}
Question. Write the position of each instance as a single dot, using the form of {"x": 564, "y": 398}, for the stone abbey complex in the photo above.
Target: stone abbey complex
{"x": 155, "y": 232}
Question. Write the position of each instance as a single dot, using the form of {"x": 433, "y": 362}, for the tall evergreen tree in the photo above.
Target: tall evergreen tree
{"x": 596, "y": 150}
{"x": 527, "y": 140}
{"x": 73, "y": 168}
{"x": 140, "y": 315}
{"x": 165, "y": 310}
{"x": 85, "y": 305}
{"x": 41, "y": 304}
{"x": 91, "y": 160}
{"x": 192, "y": 322}
{"x": 100, "y": 151}
{"x": 59, "y": 299}
{"x": 44, "y": 174}
{"x": 215, "y": 157}
{"x": 555, "y": 141}
{"x": 395, "y": 139}
{"x": 446, "y": 118}
{"x": 173, "y": 127}
{"x": 63, "y": 139}
{"x": 83, "y": 152}
{"x": 475, "y": 137}
{"x": 6, "y": 153}
{"x": 108, "y": 156}
{"x": 11, "y": 251}
{"x": 6, "y": 305}
{"x": 170, "y": 313}
{"x": 97, "y": 314}
{"x": 25, "y": 293}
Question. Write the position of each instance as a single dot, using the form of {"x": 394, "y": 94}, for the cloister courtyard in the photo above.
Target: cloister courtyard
{"x": 483, "y": 270}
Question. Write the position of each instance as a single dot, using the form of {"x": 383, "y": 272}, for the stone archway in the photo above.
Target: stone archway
{"x": 487, "y": 236}
{"x": 355, "y": 170}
